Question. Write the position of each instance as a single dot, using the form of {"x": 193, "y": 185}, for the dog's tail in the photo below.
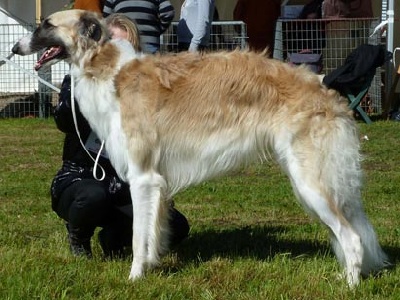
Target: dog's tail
{"x": 344, "y": 177}
{"x": 324, "y": 165}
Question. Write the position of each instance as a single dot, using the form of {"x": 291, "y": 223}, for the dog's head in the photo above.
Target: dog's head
{"x": 64, "y": 35}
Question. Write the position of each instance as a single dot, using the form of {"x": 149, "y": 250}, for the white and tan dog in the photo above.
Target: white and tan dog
{"x": 172, "y": 121}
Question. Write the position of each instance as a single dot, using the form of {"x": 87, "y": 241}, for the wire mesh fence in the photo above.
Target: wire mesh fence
{"x": 24, "y": 93}
{"x": 225, "y": 35}
{"x": 334, "y": 39}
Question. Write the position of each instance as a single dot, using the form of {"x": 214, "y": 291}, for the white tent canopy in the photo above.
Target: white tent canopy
{"x": 28, "y": 11}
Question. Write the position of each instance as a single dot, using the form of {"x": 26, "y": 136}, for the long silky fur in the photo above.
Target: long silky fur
{"x": 171, "y": 121}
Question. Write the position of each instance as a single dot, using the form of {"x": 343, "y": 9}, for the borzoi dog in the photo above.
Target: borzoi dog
{"x": 171, "y": 121}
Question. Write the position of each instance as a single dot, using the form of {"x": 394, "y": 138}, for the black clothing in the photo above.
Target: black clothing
{"x": 77, "y": 166}
{"x": 359, "y": 67}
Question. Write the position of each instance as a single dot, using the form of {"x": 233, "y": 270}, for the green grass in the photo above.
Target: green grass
{"x": 249, "y": 238}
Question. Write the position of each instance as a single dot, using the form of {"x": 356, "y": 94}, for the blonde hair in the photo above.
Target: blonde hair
{"x": 123, "y": 22}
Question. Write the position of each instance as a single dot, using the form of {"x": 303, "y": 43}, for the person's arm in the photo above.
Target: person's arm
{"x": 203, "y": 19}
{"x": 63, "y": 110}
{"x": 166, "y": 14}
{"x": 108, "y": 8}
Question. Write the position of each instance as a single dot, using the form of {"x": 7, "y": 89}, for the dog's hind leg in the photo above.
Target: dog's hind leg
{"x": 150, "y": 222}
{"x": 323, "y": 163}
{"x": 346, "y": 242}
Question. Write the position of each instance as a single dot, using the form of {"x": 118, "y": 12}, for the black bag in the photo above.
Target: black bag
{"x": 358, "y": 67}
{"x": 312, "y": 60}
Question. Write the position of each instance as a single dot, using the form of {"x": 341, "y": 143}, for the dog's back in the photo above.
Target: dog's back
{"x": 218, "y": 111}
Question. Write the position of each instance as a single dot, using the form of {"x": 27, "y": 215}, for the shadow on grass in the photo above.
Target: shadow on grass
{"x": 256, "y": 242}
{"x": 394, "y": 254}
{"x": 253, "y": 242}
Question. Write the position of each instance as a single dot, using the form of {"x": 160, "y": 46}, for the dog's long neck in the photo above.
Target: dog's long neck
{"x": 94, "y": 76}
{"x": 94, "y": 79}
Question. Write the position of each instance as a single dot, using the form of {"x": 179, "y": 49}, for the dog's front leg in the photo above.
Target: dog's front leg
{"x": 150, "y": 222}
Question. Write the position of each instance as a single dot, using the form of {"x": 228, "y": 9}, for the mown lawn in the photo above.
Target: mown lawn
{"x": 249, "y": 238}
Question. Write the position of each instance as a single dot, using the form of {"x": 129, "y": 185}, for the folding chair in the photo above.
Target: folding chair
{"x": 355, "y": 99}
{"x": 355, "y": 76}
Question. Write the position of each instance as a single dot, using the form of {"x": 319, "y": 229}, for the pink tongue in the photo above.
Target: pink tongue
{"x": 47, "y": 56}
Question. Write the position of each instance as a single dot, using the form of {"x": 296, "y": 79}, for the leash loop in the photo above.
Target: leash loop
{"x": 96, "y": 161}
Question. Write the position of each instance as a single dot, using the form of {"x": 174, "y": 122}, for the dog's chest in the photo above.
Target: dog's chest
{"x": 100, "y": 108}
{"x": 97, "y": 102}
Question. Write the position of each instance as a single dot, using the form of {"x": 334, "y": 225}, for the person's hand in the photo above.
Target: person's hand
{"x": 115, "y": 185}
{"x": 193, "y": 48}
{"x": 65, "y": 92}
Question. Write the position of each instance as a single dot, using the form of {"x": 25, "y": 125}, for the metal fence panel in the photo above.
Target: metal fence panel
{"x": 225, "y": 35}
{"x": 334, "y": 39}
{"x": 22, "y": 94}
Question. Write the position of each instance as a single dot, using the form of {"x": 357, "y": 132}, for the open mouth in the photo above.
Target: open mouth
{"x": 53, "y": 53}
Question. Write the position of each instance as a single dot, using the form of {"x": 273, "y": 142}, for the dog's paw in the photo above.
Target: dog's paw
{"x": 137, "y": 271}
{"x": 135, "y": 275}
{"x": 353, "y": 279}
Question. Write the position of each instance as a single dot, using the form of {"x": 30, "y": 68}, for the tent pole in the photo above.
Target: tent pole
{"x": 390, "y": 18}
{"x": 389, "y": 68}
{"x": 38, "y": 18}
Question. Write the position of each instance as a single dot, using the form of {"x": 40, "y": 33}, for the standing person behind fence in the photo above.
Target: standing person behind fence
{"x": 332, "y": 9}
{"x": 260, "y": 18}
{"x": 77, "y": 197}
{"x": 92, "y": 5}
{"x": 194, "y": 27}
{"x": 120, "y": 27}
{"x": 152, "y": 17}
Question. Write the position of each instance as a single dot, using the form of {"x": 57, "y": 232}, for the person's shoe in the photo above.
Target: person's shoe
{"x": 178, "y": 223}
{"x": 79, "y": 244}
{"x": 111, "y": 244}
{"x": 179, "y": 227}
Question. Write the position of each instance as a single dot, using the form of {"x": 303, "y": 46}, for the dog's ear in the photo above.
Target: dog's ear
{"x": 91, "y": 28}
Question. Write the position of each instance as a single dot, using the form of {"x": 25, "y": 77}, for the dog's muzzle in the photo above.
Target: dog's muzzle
{"x": 22, "y": 47}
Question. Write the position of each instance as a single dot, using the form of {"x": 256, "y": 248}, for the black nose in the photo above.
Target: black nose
{"x": 16, "y": 49}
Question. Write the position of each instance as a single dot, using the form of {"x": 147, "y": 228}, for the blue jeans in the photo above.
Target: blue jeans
{"x": 151, "y": 49}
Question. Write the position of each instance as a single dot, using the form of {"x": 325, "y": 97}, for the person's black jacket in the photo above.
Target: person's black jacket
{"x": 76, "y": 162}
{"x": 358, "y": 68}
